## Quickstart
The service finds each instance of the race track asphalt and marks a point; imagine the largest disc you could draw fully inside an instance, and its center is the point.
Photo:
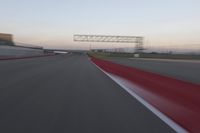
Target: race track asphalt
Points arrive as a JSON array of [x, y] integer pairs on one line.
[[68, 94]]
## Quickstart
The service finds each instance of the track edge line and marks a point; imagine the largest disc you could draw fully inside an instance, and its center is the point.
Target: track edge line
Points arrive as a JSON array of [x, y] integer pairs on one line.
[[154, 110]]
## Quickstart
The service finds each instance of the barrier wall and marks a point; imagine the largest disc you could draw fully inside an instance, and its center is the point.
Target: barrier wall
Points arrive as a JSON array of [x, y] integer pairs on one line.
[[12, 51], [179, 100]]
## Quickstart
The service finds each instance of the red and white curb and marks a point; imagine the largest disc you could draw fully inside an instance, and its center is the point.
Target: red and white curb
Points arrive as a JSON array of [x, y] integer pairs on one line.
[[126, 85]]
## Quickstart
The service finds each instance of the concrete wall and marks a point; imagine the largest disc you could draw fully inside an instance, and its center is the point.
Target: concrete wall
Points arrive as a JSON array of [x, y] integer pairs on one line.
[[12, 51]]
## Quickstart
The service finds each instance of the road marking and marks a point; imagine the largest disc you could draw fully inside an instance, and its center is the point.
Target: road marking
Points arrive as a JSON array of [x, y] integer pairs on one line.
[[159, 114]]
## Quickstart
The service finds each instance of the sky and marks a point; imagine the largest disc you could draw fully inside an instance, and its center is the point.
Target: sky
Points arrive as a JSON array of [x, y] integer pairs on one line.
[[170, 24]]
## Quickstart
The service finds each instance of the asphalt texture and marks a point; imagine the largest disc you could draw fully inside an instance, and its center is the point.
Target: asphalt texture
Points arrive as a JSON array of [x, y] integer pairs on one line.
[[68, 94], [185, 70]]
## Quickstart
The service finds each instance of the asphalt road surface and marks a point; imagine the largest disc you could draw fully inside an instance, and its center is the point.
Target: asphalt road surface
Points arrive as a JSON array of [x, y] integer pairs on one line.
[[180, 69], [68, 94]]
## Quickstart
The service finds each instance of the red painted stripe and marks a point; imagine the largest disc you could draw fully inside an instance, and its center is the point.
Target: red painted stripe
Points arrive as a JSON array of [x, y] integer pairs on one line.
[[177, 99], [25, 57]]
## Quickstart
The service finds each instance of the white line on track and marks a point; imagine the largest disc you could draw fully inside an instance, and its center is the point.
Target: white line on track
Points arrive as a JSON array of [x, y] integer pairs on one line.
[[159, 114]]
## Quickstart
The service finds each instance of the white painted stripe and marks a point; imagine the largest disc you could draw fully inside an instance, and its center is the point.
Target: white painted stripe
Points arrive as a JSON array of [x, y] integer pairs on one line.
[[162, 116]]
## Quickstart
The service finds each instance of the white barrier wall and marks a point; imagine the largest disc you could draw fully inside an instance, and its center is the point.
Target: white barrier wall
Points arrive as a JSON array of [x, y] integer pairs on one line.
[[18, 51]]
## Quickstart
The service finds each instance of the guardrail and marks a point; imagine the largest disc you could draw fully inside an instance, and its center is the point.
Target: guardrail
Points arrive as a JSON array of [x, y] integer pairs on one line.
[[19, 51], [25, 57], [179, 100]]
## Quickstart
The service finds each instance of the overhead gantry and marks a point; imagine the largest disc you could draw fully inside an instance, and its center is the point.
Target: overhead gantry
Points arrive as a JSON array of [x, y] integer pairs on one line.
[[138, 40]]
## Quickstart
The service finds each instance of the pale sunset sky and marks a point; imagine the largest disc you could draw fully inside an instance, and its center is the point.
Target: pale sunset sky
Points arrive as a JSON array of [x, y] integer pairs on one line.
[[52, 23]]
